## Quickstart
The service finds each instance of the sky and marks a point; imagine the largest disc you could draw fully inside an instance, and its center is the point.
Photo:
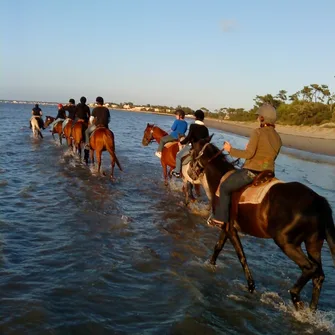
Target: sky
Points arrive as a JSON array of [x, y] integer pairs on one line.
[[194, 53]]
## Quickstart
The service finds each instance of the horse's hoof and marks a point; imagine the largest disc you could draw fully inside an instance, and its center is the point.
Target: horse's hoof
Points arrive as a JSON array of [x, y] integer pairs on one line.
[[299, 305], [251, 286], [104, 174]]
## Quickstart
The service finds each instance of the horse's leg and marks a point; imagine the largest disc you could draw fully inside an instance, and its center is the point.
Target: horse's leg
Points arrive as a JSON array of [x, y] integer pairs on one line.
[[197, 189], [92, 156], [164, 166], [189, 190], [60, 138], [308, 268], [314, 254], [236, 242], [218, 246], [99, 153], [113, 165]]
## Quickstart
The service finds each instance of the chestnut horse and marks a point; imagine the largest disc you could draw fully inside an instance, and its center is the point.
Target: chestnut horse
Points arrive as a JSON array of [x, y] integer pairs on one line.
[[168, 159], [153, 133], [102, 139], [78, 135], [67, 132], [290, 214], [56, 129]]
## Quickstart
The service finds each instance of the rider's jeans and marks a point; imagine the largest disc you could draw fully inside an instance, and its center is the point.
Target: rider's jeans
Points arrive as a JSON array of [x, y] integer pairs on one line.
[[234, 182], [181, 153], [88, 132]]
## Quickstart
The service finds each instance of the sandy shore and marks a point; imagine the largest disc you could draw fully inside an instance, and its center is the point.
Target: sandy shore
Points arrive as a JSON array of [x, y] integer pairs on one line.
[[314, 139]]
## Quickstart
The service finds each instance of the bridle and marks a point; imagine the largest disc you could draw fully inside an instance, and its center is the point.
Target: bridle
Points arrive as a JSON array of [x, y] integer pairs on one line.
[[151, 139], [197, 166]]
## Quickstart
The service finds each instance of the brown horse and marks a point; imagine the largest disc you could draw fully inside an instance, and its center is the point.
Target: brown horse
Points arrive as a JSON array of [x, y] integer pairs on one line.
[[57, 128], [102, 139], [290, 214], [78, 135], [168, 159], [153, 133], [67, 132]]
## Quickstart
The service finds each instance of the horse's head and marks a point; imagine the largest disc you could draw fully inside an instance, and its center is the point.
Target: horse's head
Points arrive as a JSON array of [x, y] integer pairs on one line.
[[205, 154], [48, 120], [148, 135]]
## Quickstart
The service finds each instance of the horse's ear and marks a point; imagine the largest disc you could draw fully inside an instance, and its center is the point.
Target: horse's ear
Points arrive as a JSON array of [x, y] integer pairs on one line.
[[208, 138]]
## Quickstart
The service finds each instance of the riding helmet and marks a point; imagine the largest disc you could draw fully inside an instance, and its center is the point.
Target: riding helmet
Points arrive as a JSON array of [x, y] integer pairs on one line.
[[99, 100], [71, 101], [83, 100], [268, 112]]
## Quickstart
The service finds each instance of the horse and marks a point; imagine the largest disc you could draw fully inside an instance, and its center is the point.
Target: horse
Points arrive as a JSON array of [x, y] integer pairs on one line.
[[290, 213], [102, 139], [154, 133], [78, 135], [35, 126], [67, 132], [57, 128]]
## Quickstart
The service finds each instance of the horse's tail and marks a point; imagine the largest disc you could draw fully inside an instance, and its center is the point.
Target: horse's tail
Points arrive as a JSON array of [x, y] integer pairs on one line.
[[109, 142], [327, 217]]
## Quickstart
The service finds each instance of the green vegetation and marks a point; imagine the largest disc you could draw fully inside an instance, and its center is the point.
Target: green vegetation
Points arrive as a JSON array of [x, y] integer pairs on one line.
[[313, 105]]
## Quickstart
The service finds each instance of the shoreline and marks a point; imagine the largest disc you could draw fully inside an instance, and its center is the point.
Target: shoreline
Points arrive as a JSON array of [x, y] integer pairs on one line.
[[314, 139]]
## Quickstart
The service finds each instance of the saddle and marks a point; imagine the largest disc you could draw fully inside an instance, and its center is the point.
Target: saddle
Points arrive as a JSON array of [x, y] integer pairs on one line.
[[256, 191]]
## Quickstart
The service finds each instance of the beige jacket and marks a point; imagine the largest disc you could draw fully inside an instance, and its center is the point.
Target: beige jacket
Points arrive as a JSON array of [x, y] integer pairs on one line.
[[261, 151]]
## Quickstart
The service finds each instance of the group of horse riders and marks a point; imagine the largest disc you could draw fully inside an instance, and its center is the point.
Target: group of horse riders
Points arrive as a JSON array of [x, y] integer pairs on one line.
[[260, 153], [278, 216], [100, 116]]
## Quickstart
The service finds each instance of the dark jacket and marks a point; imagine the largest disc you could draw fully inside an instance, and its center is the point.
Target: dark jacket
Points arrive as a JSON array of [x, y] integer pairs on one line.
[[83, 111], [196, 132]]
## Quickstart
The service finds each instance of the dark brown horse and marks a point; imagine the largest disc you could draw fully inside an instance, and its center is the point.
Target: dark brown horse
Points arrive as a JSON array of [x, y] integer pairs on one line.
[[290, 213], [101, 140], [57, 128], [78, 135]]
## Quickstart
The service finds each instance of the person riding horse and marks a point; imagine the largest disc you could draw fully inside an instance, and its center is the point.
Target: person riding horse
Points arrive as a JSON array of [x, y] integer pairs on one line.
[[82, 111], [197, 131], [101, 118], [37, 114], [178, 128], [260, 154], [61, 115], [71, 109]]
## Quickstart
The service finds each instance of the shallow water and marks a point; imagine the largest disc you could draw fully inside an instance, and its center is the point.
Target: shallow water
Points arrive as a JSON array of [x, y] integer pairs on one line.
[[80, 254]]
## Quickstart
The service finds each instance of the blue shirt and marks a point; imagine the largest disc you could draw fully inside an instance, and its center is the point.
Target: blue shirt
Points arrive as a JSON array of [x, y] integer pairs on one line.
[[179, 127]]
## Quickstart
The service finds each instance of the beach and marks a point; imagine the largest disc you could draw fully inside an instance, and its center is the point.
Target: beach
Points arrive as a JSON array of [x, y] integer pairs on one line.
[[316, 139]]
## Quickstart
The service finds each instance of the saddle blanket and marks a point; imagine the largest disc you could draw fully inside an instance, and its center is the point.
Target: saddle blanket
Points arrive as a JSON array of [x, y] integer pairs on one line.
[[255, 194], [251, 194]]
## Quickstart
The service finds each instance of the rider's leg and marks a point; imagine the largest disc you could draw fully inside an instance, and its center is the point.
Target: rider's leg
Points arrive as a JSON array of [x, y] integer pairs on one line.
[[233, 183], [181, 153], [164, 140]]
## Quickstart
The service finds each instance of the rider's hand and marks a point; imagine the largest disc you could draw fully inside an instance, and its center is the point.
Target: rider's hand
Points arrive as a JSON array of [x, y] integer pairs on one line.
[[227, 146]]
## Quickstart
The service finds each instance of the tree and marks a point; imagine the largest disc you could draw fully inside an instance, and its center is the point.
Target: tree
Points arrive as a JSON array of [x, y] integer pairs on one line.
[[282, 95]]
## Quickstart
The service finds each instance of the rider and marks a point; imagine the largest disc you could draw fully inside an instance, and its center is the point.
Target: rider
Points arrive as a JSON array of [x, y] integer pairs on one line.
[[178, 128], [260, 154], [71, 109], [82, 111], [101, 118], [197, 131], [37, 113], [61, 115]]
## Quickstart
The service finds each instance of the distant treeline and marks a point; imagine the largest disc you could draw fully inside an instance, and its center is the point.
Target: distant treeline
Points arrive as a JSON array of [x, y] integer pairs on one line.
[[313, 105]]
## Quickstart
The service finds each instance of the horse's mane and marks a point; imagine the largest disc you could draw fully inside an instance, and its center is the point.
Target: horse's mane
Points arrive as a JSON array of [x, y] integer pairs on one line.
[[221, 161]]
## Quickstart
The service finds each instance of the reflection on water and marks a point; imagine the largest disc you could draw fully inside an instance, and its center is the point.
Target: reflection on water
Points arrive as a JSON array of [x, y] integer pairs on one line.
[[81, 254]]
